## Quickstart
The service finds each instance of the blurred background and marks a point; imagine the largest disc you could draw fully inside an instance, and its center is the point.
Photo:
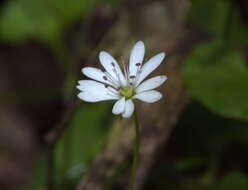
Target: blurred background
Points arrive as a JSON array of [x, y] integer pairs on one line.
[[195, 138]]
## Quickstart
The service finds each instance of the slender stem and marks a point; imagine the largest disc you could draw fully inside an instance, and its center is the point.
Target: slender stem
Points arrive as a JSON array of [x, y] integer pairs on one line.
[[136, 153]]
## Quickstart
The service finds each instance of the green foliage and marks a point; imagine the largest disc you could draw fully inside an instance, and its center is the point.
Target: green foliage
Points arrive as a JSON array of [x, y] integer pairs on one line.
[[212, 133], [82, 140], [210, 15], [189, 164], [218, 78], [75, 151], [221, 19], [69, 10], [238, 32], [200, 149], [40, 19], [232, 181]]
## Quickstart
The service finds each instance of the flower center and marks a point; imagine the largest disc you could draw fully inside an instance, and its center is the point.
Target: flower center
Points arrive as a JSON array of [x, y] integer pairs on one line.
[[128, 92]]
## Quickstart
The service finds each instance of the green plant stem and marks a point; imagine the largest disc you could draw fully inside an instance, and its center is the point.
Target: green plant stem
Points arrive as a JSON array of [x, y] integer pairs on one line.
[[136, 158]]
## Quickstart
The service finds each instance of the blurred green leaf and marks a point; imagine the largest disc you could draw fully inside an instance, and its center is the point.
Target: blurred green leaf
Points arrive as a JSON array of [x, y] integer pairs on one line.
[[202, 146], [83, 139], [25, 19], [218, 78], [210, 15], [232, 181], [238, 32], [40, 19], [213, 136], [221, 19], [69, 10], [189, 164]]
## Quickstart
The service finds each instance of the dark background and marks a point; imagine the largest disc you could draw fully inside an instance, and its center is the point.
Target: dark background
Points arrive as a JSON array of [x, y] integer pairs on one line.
[[43, 46]]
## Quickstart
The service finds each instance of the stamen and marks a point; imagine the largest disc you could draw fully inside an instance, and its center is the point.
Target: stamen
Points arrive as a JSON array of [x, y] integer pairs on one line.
[[138, 64], [132, 77], [112, 64], [105, 78], [125, 69]]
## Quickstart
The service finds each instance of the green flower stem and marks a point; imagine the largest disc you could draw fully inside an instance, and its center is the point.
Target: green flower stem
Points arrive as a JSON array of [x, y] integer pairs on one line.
[[136, 158]]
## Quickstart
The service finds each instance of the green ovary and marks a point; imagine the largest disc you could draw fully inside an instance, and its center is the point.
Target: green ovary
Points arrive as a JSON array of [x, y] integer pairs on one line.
[[128, 92]]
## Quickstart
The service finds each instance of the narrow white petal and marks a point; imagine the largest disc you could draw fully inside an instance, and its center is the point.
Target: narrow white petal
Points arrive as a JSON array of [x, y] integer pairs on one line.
[[151, 83], [137, 56], [150, 66], [91, 85], [149, 96], [112, 67], [96, 87], [96, 74], [119, 106], [129, 108], [95, 97], [93, 91]]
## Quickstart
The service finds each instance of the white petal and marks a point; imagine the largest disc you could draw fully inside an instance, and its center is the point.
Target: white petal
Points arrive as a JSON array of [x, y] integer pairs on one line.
[[94, 97], [95, 74], [150, 66], [119, 106], [94, 86], [149, 96], [91, 85], [129, 108], [112, 67], [137, 56], [151, 83], [93, 91]]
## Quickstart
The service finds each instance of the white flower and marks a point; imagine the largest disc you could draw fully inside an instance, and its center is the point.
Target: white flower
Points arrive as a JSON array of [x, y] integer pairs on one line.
[[123, 86]]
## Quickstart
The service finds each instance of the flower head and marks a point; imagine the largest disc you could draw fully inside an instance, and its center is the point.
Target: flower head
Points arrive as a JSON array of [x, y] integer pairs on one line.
[[123, 85]]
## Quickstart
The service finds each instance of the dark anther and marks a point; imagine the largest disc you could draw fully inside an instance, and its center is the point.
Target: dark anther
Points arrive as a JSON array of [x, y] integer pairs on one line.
[[105, 78], [112, 64], [137, 64], [106, 86], [132, 77]]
